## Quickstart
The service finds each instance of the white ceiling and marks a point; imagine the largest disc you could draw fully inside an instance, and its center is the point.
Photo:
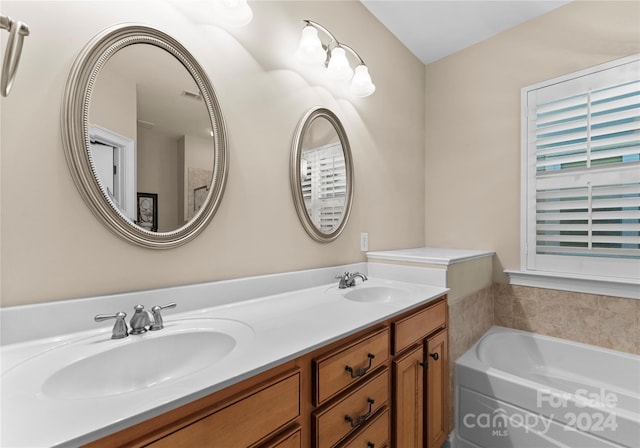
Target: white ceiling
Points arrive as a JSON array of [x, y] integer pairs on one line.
[[433, 29]]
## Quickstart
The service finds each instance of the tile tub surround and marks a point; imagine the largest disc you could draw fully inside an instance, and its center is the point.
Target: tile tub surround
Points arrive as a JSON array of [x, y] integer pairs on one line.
[[609, 322], [469, 318], [605, 321]]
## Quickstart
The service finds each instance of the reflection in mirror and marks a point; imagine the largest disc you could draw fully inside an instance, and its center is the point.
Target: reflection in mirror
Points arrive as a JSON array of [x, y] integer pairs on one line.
[[321, 174], [324, 178], [150, 132], [144, 136]]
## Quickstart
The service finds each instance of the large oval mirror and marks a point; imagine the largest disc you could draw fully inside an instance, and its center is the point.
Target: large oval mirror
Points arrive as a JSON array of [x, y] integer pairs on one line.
[[144, 136], [322, 174]]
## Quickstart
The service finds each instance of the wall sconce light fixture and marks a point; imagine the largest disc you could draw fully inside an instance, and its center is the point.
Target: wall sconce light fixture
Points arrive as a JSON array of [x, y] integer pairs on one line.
[[234, 13], [17, 32], [311, 50]]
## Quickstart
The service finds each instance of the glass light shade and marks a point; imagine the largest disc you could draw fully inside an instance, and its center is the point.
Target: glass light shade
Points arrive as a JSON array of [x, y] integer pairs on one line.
[[361, 84], [310, 50], [234, 13], [339, 67]]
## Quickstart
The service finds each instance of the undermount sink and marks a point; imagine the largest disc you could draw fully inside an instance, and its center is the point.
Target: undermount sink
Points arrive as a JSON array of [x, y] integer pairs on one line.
[[98, 366], [378, 294]]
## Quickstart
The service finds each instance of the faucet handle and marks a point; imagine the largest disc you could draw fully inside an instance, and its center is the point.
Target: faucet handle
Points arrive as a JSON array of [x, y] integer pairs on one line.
[[119, 328], [158, 324], [343, 280]]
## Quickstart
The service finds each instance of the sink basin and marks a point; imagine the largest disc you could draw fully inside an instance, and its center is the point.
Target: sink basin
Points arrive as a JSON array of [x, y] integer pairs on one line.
[[378, 294], [97, 366], [139, 364]]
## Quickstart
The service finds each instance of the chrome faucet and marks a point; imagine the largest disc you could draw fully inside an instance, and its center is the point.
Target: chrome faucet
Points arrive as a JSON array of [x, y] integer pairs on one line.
[[158, 324], [140, 320], [348, 280], [119, 328]]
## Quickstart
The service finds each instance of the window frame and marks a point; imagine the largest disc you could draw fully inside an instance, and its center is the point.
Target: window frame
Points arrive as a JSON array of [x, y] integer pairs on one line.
[[528, 275]]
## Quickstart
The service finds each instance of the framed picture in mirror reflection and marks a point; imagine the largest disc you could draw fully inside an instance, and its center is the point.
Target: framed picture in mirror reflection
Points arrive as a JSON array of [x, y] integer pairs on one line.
[[148, 211], [199, 197]]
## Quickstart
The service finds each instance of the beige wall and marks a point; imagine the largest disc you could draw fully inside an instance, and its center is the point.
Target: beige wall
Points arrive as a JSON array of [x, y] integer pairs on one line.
[[54, 248], [158, 173], [113, 104], [473, 119]]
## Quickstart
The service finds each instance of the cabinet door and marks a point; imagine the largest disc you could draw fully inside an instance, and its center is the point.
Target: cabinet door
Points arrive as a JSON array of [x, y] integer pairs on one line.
[[437, 389], [408, 399]]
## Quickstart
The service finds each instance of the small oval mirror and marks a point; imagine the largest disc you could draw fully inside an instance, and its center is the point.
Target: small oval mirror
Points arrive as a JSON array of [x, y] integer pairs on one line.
[[322, 174], [144, 136]]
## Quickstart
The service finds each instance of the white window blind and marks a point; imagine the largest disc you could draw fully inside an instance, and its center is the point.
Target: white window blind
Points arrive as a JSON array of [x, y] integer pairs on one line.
[[582, 173], [324, 185]]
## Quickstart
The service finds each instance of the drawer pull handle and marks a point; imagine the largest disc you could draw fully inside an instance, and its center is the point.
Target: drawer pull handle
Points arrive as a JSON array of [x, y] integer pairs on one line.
[[355, 422], [435, 356], [362, 370], [371, 445]]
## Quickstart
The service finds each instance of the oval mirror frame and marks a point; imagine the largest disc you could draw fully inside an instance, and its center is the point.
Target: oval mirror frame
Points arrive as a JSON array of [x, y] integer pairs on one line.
[[296, 178], [75, 133]]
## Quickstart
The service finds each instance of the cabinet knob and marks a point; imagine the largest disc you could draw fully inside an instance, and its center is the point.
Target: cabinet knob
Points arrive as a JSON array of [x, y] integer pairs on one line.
[[371, 445], [435, 356]]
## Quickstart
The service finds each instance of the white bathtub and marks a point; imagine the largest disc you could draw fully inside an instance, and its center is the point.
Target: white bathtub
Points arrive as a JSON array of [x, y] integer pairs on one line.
[[519, 389]]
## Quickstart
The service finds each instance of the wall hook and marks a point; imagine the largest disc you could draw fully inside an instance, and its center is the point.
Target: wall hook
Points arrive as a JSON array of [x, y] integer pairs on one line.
[[17, 32]]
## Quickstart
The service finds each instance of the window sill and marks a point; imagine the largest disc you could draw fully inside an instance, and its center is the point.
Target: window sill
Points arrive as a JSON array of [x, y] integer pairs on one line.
[[607, 286]]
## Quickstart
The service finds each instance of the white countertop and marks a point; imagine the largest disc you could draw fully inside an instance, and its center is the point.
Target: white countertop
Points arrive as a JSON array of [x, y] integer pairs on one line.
[[430, 255], [279, 328]]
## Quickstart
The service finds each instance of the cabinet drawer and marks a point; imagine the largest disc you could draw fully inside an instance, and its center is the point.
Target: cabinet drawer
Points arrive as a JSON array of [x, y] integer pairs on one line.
[[415, 327], [376, 433], [288, 439], [340, 368], [245, 421], [335, 421]]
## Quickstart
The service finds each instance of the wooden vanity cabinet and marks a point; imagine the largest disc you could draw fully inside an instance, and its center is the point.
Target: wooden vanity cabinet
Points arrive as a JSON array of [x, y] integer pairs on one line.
[[408, 398], [258, 412], [245, 421], [384, 386], [340, 368], [437, 359], [420, 375], [375, 434], [291, 438], [417, 362]]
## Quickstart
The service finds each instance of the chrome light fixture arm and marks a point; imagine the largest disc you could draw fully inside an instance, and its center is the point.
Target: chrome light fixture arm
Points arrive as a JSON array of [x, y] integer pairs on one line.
[[17, 32], [333, 43]]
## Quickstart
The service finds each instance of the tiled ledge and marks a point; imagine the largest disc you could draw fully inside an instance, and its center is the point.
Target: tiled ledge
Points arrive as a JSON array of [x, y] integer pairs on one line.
[[605, 321], [615, 287]]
